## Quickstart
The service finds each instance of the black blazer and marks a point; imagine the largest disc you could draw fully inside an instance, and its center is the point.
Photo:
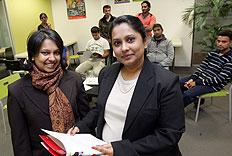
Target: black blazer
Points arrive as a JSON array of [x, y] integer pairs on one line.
[[155, 117], [28, 111]]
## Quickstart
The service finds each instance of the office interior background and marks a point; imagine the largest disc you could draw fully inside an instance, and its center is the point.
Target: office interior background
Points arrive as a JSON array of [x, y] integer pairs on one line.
[[211, 136], [23, 18]]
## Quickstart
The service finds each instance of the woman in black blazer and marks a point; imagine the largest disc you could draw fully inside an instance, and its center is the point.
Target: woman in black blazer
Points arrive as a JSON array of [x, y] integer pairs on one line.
[[139, 109], [49, 97]]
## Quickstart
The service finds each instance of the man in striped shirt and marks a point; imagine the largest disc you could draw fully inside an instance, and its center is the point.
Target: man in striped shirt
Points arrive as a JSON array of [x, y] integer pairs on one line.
[[214, 72]]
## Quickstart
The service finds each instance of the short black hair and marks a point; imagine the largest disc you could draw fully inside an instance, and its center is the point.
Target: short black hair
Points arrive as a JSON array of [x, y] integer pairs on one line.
[[157, 25], [227, 33], [148, 3], [106, 7], [42, 14], [35, 40], [95, 29]]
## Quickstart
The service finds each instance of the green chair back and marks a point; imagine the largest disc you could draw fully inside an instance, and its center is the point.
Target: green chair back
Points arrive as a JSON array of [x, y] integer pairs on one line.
[[5, 82], [222, 92]]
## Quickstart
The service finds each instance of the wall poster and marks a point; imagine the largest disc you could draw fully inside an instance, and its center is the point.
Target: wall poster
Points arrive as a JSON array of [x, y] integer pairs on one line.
[[76, 9], [121, 1]]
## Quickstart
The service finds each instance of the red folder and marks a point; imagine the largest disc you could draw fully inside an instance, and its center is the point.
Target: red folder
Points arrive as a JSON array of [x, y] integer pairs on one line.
[[52, 147]]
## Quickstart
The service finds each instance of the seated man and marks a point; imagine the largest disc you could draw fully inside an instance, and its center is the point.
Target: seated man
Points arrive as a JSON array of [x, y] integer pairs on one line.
[[214, 72], [160, 50], [99, 47]]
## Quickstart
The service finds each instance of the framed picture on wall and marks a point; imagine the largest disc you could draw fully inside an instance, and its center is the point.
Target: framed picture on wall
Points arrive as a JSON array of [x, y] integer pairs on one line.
[[121, 1], [76, 9]]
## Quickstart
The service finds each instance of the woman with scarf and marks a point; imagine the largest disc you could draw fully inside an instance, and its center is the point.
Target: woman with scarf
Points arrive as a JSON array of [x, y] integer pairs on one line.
[[49, 97]]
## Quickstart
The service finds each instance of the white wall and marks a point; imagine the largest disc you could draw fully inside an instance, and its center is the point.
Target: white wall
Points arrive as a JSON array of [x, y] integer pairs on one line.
[[167, 12], [78, 29]]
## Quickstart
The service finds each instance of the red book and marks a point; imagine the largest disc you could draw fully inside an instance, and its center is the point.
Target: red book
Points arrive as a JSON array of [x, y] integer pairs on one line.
[[51, 146], [60, 144]]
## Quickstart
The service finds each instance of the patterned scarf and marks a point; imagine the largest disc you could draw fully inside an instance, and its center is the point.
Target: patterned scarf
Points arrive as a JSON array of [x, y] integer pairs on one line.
[[60, 109]]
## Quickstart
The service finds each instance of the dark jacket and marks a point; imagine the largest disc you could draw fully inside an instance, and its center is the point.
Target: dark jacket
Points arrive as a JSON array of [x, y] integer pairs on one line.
[[104, 26], [28, 111], [155, 118]]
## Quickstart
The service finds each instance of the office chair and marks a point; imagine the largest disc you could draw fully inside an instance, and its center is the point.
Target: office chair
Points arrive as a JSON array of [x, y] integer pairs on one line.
[[4, 83], [9, 55], [220, 93]]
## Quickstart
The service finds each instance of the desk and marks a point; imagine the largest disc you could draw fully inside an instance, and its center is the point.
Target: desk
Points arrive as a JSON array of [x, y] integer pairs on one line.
[[93, 92], [22, 55], [177, 43], [71, 47], [2, 50]]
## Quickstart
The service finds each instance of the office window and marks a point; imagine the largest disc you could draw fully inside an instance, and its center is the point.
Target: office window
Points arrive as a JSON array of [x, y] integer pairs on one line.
[[4, 29]]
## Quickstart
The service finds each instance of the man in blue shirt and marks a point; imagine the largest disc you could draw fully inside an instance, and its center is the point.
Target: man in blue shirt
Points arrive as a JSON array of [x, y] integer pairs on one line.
[[214, 72]]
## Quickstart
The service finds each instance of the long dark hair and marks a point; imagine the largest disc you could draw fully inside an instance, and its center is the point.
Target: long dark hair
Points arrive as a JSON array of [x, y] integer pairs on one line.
[[35, 41]]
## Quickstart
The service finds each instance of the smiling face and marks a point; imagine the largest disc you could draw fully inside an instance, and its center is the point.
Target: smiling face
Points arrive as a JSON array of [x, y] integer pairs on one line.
[[128, 45], [48, 57], [145, 8], [44, 19]]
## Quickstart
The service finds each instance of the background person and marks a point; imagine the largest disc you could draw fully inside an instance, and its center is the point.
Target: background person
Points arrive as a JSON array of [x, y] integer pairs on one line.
[[99, 48], [160, 49], [104, 25], [147, 18], [139, 109], [214, 72], [105, 21], [44, 22], [49, 97]]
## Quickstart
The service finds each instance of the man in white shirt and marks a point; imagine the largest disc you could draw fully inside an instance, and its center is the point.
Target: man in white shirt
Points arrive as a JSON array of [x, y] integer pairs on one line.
[[99, 47]]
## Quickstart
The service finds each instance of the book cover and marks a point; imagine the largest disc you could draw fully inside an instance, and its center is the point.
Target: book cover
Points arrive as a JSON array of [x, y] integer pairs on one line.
[[65, 144]]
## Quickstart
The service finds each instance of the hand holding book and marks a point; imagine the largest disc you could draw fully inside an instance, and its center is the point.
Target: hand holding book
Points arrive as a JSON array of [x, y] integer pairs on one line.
[[60, 144], [106, 149], [74, 130]]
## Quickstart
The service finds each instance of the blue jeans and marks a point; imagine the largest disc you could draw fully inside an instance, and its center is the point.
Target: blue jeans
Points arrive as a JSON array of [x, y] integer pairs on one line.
[[189, 95]]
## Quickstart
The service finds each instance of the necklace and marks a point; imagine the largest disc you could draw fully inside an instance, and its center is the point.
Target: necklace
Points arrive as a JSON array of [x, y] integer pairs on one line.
[[125, 86]]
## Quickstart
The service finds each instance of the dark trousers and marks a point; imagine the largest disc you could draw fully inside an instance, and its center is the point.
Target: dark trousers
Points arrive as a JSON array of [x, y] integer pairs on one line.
[[189, 95], [111, 59]]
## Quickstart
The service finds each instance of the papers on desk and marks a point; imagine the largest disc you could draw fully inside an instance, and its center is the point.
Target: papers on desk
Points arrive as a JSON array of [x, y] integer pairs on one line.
[[91, 81], [66, 144], [87, 87]]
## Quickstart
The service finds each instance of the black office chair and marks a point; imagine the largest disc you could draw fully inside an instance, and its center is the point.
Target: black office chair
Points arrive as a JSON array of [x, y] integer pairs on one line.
[[9, 55], [13, 65]]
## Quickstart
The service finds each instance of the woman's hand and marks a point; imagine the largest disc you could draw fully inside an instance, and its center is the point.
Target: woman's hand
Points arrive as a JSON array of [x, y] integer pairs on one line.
[[49, 26], [73, 130], [106, 149]]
